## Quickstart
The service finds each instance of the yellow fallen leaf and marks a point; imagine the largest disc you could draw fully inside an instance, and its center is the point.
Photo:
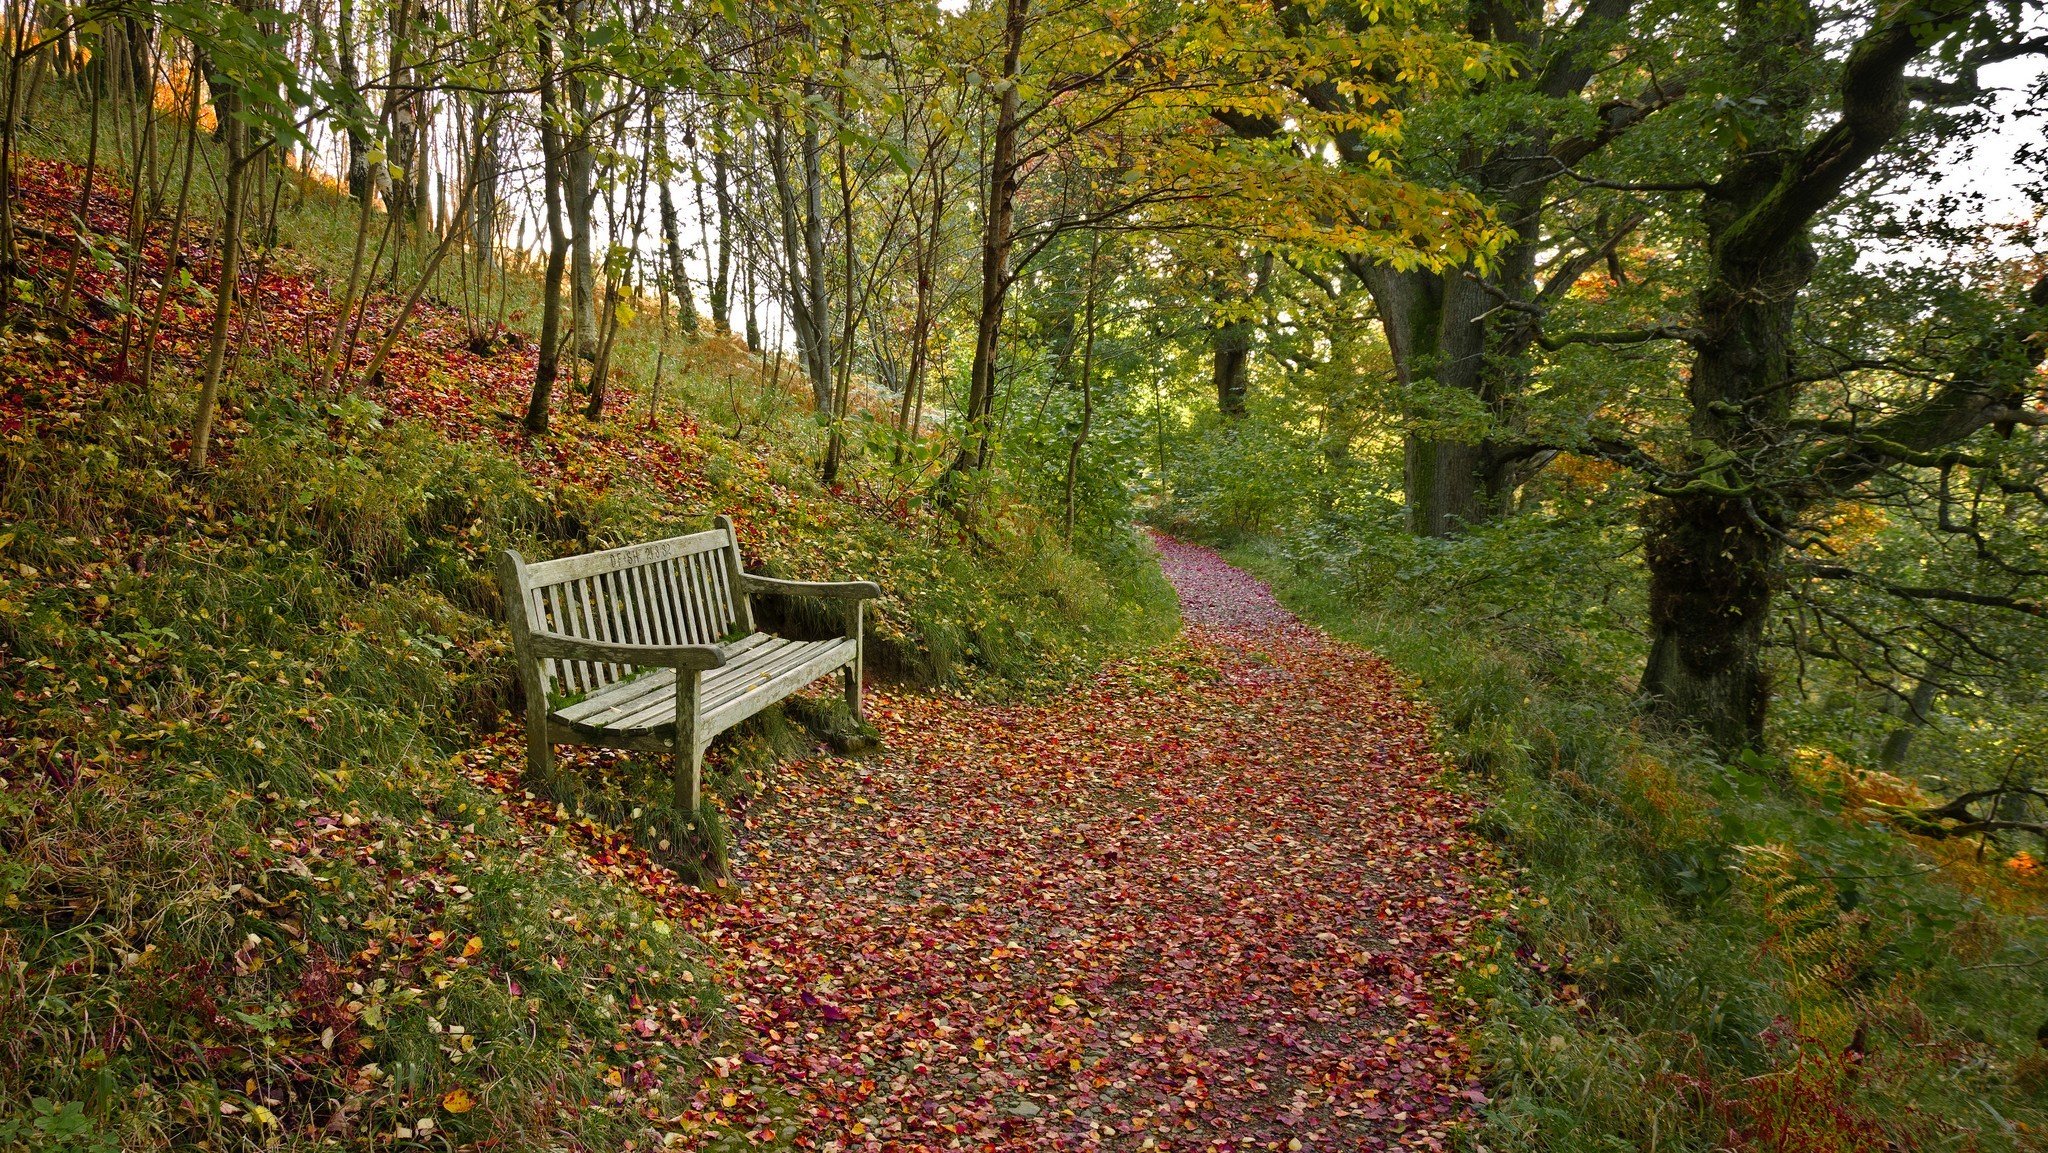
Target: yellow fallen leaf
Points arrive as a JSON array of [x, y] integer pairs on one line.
[[475, 946], [457, 1101], [730, 1100]]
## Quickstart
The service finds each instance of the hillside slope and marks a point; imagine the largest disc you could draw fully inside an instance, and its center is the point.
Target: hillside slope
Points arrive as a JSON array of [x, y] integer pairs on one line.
[[253, 888]]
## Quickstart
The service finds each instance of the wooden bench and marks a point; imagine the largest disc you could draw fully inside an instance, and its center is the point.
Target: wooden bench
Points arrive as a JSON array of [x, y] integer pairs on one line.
[[653, 648]]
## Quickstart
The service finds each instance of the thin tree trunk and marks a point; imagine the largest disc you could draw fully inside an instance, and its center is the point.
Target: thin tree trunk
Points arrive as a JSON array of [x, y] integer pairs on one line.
[[1087, 388], [227, 286], [412, 300], [911, 407], [677, 278], [359, 183], [803, 249], [835, 443], [14, 38], [548, 361], [173, 245], [138, 210], [331, 363], [998, 231], [614, 295], [94, 81], [579, 198], [721, 272]]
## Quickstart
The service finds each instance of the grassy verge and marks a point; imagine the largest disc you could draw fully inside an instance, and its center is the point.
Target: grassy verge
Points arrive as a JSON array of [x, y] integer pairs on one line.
[[1693, 955], [263, 882]]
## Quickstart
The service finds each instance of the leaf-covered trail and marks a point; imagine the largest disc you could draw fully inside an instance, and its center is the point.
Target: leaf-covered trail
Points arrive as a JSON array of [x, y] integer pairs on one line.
[[1208, 902]]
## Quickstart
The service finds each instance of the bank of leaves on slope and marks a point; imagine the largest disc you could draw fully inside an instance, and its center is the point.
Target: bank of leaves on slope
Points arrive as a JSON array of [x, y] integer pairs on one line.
[[243, 896], [1213, 899], [1026, 609]]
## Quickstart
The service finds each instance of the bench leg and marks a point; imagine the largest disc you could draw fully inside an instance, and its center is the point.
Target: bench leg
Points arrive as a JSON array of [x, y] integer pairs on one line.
[[689, 751], [853, 671], [540, 752], [689, 784]]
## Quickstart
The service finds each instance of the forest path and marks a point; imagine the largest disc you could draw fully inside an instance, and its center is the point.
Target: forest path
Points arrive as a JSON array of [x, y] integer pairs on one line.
[[1207, 901]]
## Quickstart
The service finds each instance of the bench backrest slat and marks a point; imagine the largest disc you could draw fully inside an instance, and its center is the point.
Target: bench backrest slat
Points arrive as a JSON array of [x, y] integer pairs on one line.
[[665, 592]]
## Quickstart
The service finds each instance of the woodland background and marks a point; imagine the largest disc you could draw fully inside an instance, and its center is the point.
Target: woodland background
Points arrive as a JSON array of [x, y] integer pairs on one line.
[[1614, 368]]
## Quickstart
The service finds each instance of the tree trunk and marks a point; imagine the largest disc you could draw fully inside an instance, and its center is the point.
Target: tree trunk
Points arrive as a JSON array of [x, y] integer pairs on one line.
[[997, 234], [548, 362], [1712, 573], [1715, 548], [232, 133], [400, 202], [1230, 346], [721, 272], [579, 199], [818, 349], [485, 204], [678, 270], [1919, 710], [803, 247], [359, 182], [924, 262], [1087, 389]]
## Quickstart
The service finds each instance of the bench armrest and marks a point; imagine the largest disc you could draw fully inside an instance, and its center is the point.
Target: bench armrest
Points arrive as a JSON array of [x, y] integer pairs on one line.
[[834, 590], [564, 648]]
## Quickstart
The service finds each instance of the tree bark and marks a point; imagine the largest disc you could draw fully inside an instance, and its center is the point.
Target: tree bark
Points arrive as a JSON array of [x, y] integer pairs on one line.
[[1919, 710], [548, 362], [678, 269], [1230, 346], [579, 200], [1715, 547], [997, 234], [721, 273], [401, 201], [803, 249], [359, 183], [233, 135], [924, 261], [1087, 390]]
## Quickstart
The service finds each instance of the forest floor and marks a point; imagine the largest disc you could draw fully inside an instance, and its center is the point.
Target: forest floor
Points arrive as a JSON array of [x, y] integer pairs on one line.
[[1213, 897], [1211, 900]]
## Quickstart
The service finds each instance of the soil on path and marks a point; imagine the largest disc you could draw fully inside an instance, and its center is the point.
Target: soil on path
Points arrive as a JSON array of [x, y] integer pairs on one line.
[[1209, 901]]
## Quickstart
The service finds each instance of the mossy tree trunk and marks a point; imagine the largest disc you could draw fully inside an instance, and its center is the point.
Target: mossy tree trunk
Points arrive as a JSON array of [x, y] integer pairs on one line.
[[1717, 543]]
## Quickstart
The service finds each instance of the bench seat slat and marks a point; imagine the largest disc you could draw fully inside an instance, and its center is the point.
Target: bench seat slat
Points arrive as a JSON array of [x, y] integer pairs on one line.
[[647, 704], [723, 685], [608, 702], [830, 655]]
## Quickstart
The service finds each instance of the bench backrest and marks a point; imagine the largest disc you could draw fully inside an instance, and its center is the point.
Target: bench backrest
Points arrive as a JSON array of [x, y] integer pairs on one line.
[[681, 591]]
